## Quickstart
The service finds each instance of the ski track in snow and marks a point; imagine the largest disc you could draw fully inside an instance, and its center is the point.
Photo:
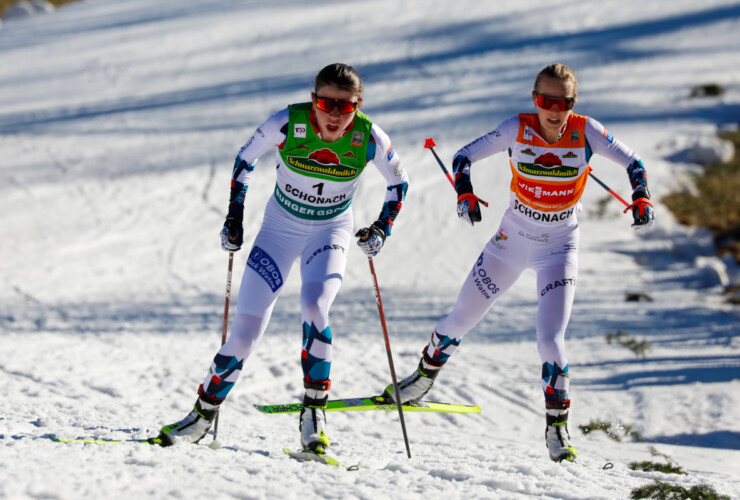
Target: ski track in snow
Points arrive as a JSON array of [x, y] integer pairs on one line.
[[115, 179]]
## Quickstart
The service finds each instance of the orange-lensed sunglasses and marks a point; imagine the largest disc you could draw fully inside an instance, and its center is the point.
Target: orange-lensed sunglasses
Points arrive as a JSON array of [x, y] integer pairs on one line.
[[327, 104], [547, 102]]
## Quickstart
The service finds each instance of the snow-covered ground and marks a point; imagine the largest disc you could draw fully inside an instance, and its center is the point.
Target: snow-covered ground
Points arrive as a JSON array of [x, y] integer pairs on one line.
[[119, 122]]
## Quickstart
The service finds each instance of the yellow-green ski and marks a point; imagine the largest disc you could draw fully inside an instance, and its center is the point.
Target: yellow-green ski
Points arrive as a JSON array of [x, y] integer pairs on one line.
[[308, 455], [103, 441], [381, 403]]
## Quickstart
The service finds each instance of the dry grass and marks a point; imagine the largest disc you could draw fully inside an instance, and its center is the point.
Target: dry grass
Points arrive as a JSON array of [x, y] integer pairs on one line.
[[4, 4], [716, 204]]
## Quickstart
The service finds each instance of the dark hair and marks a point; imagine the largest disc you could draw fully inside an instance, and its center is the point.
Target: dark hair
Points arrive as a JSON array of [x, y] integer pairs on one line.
[[341, 75], [559, 72]]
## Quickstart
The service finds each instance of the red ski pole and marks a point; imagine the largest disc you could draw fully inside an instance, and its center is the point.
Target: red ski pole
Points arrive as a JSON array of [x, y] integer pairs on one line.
[[609, 190], [429, 144], [225, 326], [364, 235], [390, 356]]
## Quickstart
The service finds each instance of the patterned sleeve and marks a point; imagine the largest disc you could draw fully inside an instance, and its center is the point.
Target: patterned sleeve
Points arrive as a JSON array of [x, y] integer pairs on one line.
[[268, 135], [495, 141], [603, 143], [385, 158]]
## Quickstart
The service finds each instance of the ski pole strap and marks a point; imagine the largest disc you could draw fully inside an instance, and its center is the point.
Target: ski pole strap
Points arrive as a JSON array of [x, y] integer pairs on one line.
[[640, 204], [472, 199]]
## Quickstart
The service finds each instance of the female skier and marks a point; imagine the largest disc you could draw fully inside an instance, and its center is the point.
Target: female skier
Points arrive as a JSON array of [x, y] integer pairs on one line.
[[322, 148], [549, 152]]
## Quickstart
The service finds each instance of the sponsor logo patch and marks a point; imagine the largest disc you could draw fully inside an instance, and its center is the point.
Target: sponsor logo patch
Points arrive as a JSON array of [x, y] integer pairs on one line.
[[299, 130], [552, 194], [558, 284], [323, 163], [357, 138], [609, 138], [325, 248], [529, 152], [542, 216], [263, 265], [539, 238], [308, 211], [541, 171], [483, 282], [567, 248], [249, 143]]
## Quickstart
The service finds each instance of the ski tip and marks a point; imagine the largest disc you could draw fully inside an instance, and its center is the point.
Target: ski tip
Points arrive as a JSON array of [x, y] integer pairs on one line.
[[309, 455], [84, 440], [151, 441], [280, 408], [429, 143]]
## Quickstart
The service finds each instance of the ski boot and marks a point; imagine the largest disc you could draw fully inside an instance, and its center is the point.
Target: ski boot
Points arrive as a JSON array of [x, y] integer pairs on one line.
[[415, 386], [192, 428], [313, 419], [557, 437]]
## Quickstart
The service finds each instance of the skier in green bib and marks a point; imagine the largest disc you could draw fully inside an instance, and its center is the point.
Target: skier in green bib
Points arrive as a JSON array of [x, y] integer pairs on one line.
[[323, 147]]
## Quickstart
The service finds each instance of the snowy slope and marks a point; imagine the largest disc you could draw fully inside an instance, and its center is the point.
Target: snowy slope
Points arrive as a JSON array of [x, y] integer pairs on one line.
[[119, 122]]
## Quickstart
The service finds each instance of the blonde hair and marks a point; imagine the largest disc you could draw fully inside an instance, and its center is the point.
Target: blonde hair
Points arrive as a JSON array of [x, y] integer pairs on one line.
[[559, 72]]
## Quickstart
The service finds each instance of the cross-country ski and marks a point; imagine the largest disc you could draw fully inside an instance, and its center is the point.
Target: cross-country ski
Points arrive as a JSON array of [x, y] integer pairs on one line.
[[377, 403]]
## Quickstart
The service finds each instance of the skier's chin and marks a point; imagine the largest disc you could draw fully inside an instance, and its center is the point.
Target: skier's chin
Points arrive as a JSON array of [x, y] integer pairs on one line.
[[331, 133]]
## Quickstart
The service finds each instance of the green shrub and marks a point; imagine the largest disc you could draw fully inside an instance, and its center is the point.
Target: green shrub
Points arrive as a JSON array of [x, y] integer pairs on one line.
[[639, 347], [716, 204], [664, 491], [708, 90], [601, 210], [648, 466], [615, 432], [4, 4]]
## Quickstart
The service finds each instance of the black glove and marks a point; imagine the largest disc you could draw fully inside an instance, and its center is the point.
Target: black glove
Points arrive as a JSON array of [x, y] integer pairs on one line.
[[232, 234]]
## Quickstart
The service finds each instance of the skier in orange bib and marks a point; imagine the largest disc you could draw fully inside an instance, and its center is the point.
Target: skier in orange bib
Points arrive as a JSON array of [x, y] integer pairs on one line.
[[549, 153]]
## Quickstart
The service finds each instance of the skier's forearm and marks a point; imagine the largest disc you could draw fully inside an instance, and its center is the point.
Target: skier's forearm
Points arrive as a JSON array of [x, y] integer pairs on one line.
[[638, 179], [239, 184], [391, 207]]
